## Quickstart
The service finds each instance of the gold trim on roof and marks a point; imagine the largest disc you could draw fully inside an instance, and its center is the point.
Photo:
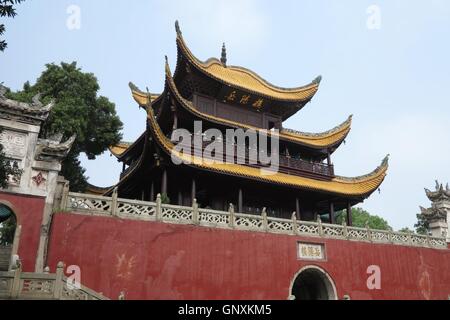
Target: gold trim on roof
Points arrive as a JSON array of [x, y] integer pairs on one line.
[[118, 149], [247, 80], [315, 140], [352, 187]]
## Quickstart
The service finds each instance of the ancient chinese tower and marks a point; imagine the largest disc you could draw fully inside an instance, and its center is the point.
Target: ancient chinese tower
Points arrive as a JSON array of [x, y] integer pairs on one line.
[[224, 97]]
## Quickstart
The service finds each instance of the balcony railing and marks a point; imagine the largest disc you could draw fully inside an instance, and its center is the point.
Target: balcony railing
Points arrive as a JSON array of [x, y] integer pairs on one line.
[[156, 211], [43, 286], [287, 164]]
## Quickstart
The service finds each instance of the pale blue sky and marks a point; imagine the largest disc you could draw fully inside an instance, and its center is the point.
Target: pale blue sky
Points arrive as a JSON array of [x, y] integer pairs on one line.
[[395, 80]]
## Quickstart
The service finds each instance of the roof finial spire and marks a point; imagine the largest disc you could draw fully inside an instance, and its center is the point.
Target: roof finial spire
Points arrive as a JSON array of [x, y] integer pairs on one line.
[[223, 59]]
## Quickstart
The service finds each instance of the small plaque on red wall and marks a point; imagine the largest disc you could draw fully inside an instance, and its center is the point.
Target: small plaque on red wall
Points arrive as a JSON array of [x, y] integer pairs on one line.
[[311, 251]]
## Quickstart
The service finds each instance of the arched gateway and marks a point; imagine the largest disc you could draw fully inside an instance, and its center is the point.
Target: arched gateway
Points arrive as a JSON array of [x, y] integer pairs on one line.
[[8, 223], [313, 283]]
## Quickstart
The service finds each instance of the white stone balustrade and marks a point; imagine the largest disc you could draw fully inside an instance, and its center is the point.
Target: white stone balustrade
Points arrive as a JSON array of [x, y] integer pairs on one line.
[[156, 211], [42, 286]]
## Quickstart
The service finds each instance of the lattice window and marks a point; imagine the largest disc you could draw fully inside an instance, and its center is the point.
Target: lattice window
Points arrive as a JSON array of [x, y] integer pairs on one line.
[[176, 214], [247, 222]]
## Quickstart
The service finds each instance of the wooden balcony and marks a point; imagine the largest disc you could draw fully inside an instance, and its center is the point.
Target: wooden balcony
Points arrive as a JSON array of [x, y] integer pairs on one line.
[[287, 164]]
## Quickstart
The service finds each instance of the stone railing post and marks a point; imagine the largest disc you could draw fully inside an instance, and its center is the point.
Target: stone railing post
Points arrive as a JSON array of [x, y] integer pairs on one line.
[[265, 222], [195, 213], [319, 223], [390, 236], [15, 290], [410, 234], [58, 289], [65, 197], [114, 205], [158, 211], [345, 229], [232, 217], [294, 223], [369, 232]]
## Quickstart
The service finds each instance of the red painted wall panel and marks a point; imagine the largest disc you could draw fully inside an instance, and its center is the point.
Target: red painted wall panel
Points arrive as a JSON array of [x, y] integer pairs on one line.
[[150, 260], [29, 211]]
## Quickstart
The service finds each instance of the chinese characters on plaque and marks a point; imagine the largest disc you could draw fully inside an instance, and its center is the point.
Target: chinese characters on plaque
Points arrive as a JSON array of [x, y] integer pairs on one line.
[[244, 99], [14, 143], [311, 251]]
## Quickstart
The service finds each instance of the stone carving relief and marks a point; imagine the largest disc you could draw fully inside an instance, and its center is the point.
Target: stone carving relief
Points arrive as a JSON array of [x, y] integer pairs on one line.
[[14, 143]]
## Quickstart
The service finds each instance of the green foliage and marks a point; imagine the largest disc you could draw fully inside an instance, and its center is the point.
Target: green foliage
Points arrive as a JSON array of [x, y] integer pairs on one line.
[[7, 230], [421, 225], [165, 198], [360, 217], [6, 169], [78, 110], [7, 9], [406, 230]]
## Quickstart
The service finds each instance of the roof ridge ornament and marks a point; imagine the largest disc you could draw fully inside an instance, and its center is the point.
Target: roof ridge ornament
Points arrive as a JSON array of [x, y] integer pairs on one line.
[[223, 58], [317, 80], [177, 28]]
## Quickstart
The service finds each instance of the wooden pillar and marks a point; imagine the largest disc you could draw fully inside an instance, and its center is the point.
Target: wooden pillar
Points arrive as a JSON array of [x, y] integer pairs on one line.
[[349, 214], [297, 208], [331, 212], [175, 118], [123, 167], [152, 191], [164, 182], [328, 158], [240, 201], [180, 198], [193, 190]]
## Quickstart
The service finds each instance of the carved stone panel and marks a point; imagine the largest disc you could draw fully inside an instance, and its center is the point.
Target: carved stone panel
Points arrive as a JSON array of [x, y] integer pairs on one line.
[[14, 143], [39, 179]]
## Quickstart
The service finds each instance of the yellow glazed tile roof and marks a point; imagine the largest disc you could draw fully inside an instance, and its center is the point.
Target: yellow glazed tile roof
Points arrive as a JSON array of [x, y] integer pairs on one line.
[[359, 186], [317, 140], [247, 80], [119, 148]]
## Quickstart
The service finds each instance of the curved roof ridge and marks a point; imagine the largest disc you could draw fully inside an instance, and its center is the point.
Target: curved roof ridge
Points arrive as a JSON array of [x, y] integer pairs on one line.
[[350, 187], [233, 75], [339, 128], [311, 140], [380, 170]]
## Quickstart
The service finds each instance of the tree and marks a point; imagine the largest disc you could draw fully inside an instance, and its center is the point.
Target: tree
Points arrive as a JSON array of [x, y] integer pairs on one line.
[[6, 170], [361, 216], [421, 225], [7, 10], [406, 230], [78, 110], [7, 230]]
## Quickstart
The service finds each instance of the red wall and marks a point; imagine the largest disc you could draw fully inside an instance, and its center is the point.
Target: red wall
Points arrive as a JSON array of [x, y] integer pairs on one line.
[[29, 211], [150, 260]]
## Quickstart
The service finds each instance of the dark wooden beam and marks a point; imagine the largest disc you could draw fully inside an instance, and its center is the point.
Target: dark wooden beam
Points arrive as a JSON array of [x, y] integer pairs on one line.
[[164, 182], [193, 191], [328, 158], [331, 212], [240, 200], [180, 198], [297, 208], [152, 191], [349, 214]]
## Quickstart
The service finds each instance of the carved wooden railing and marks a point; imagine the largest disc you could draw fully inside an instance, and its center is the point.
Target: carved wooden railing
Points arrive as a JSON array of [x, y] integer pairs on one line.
[[156, 211], [287, 164], [43, 286]]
